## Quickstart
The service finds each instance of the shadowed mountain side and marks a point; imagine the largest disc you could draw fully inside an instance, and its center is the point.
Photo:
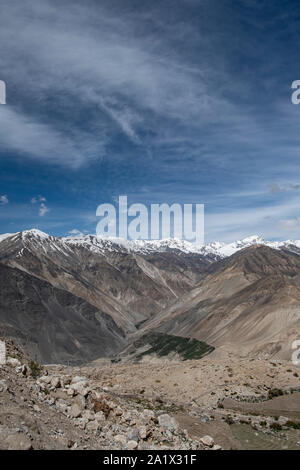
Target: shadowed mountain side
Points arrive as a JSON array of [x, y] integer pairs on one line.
[[128, 287], [54, 325]]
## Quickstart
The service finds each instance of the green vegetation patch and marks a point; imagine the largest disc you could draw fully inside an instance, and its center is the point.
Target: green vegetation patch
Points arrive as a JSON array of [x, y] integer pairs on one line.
[[163, 344]]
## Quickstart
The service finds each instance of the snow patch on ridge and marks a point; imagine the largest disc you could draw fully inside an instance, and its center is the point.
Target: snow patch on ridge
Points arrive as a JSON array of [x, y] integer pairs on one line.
[[101, 245]]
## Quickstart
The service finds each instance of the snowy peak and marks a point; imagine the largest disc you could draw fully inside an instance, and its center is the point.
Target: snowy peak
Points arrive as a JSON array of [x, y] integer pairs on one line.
[[137, 246], [34, 232], [214, 250], [231, 248]]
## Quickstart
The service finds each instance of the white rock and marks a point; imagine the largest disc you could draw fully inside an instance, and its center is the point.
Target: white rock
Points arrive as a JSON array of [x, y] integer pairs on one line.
[[75, 411], [3, 385], [77, 379], [45, 379], [167, 422], [207, 441], [131, 445], [92, 426], [148, 414], [55, 382], [142, 432], [80, 388], [12, 361]]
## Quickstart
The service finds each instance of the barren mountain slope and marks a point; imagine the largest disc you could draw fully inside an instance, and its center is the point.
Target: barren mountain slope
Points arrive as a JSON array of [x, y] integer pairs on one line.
[[54, 325], [128, 286], [249, 303]]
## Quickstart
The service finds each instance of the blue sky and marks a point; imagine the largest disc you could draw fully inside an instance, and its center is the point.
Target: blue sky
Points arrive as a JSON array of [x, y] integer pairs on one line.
[[164, 101]]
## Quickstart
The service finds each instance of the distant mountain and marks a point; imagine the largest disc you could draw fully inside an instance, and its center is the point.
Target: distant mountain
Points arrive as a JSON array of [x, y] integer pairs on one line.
[[248, 303], [126, 285], [243, 296], [98, 245]]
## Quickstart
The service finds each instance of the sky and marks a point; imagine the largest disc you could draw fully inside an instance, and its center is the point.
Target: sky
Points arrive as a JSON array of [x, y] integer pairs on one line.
[[169, 101]]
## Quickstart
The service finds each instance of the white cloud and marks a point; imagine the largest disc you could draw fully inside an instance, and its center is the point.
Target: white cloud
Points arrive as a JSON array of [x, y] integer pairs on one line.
[[40, 141], [4, 199], [130, 78], [269, 221], [36, 199], [292, 223], [43, 209], [75, 232]]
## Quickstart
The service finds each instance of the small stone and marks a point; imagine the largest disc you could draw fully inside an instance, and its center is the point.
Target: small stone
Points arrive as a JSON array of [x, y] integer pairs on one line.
[[142, 432], [77, 379], [45, 379], [3, 385], [132, 445], [133, 435], [92, 426], [55, 382], [167, 422], [207, 441], [75, 411], [80, 388], [148, 414], [118, 411]]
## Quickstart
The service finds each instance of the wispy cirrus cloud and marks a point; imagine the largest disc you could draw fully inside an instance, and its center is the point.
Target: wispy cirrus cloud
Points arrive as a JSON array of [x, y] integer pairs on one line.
[[132, 80], [34, 139], [175, 97]]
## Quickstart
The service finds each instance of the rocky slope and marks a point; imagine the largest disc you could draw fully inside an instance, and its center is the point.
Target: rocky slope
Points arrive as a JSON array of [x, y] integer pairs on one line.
[[248, 303], [216, 403], [129, 287], [54, 325], [55, 408]]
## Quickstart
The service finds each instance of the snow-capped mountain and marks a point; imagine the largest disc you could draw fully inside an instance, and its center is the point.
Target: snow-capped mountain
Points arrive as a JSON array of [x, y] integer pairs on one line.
[[101, 245], [52, 288], [217, 249]]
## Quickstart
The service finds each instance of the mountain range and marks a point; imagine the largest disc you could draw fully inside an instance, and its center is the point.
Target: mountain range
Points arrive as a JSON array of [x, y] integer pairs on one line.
[[75, 299]]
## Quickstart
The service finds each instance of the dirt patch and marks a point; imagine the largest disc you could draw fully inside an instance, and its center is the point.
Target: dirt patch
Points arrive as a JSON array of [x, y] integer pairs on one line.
[[217, 428], [286, 405]]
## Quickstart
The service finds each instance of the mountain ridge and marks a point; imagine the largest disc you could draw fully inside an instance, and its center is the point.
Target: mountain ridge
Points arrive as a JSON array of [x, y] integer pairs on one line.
[[217, 248], [223, 300]]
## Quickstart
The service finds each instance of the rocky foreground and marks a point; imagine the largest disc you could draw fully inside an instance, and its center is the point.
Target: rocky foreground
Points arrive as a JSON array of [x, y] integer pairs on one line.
[[113, 406], [40, 409]]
